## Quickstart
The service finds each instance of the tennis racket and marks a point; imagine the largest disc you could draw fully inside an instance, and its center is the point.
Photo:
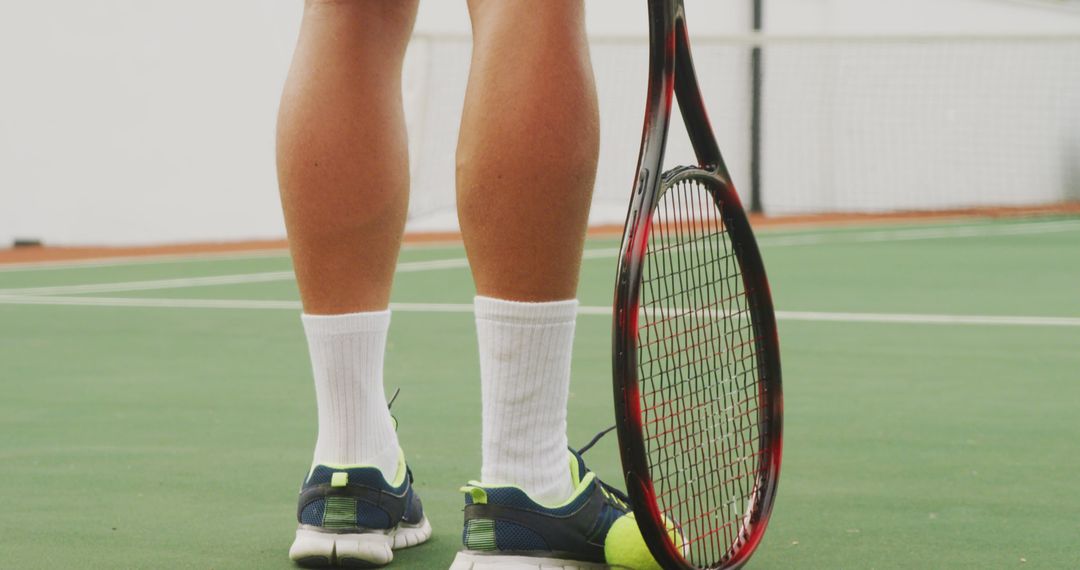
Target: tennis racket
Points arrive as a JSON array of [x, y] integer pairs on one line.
[[696, 356]]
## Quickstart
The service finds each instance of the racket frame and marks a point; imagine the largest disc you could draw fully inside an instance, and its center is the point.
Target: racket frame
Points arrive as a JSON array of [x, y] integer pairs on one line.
[[671, 76]]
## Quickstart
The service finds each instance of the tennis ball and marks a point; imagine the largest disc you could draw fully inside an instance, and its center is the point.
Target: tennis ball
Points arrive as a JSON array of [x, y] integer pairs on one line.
[[625, 548]]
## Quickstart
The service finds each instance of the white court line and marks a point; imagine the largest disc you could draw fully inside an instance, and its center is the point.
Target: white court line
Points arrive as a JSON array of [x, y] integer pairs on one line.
[[808, 316], [987, 320], [896, 235], [143, 260], [266, 277], [921, 234], [149, 303], [153, 284], [179, 283], [763, 238], [599, 253]]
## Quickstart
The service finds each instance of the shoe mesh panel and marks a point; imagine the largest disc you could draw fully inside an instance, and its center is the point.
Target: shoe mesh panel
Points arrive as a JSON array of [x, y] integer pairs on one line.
[[414, 510], [514, 497], [370, 516], [510, 536], [313, 513], [320, 475]]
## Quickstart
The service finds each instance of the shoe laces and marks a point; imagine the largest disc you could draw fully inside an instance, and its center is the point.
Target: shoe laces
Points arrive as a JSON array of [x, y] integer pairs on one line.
[[596, 438], [620, 496], [390, 406]]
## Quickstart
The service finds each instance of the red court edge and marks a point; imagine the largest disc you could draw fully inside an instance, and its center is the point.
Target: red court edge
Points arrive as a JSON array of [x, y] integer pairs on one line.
[[46, 253]]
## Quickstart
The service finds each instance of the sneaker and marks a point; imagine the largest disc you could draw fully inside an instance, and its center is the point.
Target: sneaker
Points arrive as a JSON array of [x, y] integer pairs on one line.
[[351, 517], [505, 528]]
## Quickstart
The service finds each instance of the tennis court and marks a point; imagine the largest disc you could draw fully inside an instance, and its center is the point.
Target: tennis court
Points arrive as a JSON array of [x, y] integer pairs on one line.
[[158, 412]]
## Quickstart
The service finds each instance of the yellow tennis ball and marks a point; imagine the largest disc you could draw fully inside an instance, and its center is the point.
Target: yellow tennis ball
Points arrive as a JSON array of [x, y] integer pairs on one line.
[[625, 548]]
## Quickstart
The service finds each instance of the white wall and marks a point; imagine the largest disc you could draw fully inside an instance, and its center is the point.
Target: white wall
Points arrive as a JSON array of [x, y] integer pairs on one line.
[[140, 121], [922, 16], [149, 121], [882, 126], [128, 121]]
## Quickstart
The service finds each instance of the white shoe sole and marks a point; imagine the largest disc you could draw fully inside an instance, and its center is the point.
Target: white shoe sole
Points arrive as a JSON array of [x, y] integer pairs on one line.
[[314, 548], [471, 561]]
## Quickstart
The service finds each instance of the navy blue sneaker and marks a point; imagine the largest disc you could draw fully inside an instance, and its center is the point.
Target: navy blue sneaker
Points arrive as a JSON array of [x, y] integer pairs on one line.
[[351, 517], [505, 528]]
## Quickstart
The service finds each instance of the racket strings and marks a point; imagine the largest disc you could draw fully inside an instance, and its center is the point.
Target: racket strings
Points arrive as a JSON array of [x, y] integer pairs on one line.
[[697, 368]]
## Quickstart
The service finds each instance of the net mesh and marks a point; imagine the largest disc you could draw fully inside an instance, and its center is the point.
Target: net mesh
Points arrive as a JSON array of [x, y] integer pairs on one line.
[[698, 374], [849, 124]]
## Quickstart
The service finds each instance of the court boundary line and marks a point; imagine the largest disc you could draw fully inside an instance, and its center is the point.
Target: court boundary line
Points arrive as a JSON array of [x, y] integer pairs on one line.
[[149, 259], [804, 316], [243, 278], [919, 234], [212, 280], [809, 236], [165, 258], [830, 238]]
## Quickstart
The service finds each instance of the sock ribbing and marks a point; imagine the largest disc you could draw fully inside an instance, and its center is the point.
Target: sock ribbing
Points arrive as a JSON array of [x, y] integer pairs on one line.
[[525, 353], [347, 353]]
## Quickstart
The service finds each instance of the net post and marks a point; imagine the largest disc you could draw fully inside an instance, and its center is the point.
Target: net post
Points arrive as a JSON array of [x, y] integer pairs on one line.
[[756, 72]]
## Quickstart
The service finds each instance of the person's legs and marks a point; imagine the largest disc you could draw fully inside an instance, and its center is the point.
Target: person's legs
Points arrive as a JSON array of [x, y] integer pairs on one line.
[[528, 148], [343, 171], [342, 152], [526, 165]]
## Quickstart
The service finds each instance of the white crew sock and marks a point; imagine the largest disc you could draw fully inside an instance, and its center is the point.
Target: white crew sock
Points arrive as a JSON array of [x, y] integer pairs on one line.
[[525, 382], [355, 427]]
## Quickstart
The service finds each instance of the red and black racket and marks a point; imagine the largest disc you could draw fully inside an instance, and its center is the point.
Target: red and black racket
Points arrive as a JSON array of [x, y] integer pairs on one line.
[[696, 356]]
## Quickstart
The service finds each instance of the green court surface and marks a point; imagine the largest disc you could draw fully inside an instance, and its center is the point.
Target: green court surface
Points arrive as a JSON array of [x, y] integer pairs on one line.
[[160, 414]]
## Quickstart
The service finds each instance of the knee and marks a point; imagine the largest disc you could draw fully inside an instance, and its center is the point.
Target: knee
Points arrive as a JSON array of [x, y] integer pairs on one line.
[[378, 17], [400, 7], [521, 17]]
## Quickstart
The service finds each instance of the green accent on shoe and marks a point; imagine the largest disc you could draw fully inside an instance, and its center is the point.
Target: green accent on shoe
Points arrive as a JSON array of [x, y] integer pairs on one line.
[[615, 499], [340, 513], [479, 496], [480, 534], [339, 479], [575, 474], [402, 469]]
